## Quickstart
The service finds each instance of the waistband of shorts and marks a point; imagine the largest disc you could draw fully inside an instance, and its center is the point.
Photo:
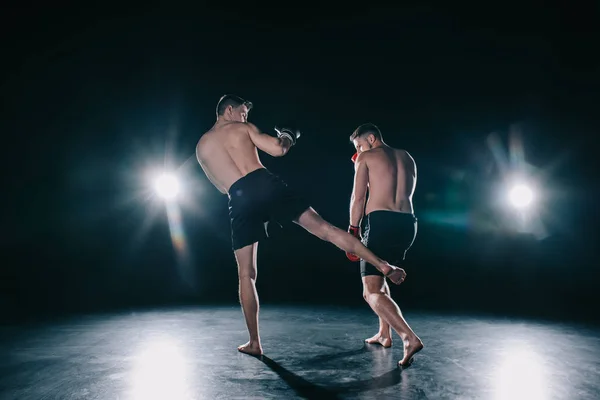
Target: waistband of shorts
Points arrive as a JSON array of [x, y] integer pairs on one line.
[[393, 214], [244, 179]]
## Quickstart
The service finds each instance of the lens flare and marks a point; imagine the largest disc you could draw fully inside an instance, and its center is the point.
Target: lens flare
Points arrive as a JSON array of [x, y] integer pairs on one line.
[[167, 186], [521, 196]]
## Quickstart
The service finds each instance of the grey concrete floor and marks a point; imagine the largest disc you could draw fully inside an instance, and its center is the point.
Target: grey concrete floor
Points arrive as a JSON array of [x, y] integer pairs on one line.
[[310, 352]]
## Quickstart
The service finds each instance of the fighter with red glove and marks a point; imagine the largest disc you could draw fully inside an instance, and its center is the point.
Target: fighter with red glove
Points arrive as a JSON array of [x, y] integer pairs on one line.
[[390, 226]]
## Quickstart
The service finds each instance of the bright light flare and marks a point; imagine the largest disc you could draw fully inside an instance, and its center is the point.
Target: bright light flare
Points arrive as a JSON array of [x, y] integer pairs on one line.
[[160, 371], [167, 186], [521, 196], [520, 373]]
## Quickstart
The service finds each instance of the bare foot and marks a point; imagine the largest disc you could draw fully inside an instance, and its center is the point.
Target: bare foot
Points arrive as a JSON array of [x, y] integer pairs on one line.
[[396, 275], [252, 348], [385, 341], [411, 347]]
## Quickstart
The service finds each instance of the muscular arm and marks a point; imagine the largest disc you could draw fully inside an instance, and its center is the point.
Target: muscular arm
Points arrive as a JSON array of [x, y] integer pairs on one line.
[[359, 191], [271, 145]]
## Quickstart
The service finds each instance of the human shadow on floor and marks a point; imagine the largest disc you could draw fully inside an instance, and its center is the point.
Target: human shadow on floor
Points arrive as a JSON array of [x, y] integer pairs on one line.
[[300, 385], [311, 390], [324, 358]]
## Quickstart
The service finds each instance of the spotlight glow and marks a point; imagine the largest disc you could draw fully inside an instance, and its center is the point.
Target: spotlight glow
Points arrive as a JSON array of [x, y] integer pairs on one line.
[[520, 373], [521, 196], [167, 186], [160, 371]]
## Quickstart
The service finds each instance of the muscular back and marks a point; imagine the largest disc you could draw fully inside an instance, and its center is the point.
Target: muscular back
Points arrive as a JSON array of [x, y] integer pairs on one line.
[[226, 153], [392, 179]]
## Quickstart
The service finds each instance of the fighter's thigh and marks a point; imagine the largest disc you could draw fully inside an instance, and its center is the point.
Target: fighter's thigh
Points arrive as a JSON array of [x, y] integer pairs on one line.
[[373, 284], [246, 229], [246, 261]]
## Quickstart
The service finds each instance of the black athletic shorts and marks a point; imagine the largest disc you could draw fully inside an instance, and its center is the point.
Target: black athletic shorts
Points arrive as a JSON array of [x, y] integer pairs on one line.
[[389, 235], [255, 200]]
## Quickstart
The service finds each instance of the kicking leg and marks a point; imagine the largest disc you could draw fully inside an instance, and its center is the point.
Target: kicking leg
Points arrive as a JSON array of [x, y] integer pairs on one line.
[[313, 223], [383, 305], [246, 259]]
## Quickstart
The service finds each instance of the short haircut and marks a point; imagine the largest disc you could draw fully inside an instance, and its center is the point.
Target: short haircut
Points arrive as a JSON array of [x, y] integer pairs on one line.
[[364, 130], [231, 100]]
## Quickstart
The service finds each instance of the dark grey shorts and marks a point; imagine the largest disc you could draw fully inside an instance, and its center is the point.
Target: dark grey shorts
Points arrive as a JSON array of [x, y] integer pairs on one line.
[[389, 235]]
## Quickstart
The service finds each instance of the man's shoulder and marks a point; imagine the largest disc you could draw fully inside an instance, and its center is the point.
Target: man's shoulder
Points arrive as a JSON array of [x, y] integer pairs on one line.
[[401, 152], [231, 128], [396, 149], [405, 154], [243, 128], [386, 154], [235, 125], [375, 153]]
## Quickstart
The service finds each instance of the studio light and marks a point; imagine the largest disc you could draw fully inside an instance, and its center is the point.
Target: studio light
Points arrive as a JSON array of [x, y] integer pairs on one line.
[[521, 196], [167, 186]]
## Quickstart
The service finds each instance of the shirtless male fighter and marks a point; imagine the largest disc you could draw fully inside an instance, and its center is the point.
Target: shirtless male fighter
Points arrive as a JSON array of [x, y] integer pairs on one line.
[[389, 176], [228, 156]]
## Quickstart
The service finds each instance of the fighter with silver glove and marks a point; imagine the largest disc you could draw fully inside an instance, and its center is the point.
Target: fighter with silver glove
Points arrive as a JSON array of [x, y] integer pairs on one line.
[[288, 133]]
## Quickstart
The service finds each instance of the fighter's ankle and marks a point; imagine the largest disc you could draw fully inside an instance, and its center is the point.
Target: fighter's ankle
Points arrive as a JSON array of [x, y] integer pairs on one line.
[[409, 338]]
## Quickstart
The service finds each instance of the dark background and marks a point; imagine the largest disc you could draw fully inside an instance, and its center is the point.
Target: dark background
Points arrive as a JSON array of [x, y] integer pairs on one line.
[[93, 99]]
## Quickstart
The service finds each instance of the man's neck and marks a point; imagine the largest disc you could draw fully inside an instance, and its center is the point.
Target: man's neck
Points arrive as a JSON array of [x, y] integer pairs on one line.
[[222, 121]]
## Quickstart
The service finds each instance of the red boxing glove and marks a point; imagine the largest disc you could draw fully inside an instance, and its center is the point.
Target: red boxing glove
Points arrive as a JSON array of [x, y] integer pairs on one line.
[[354, 157], [355, 231]]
